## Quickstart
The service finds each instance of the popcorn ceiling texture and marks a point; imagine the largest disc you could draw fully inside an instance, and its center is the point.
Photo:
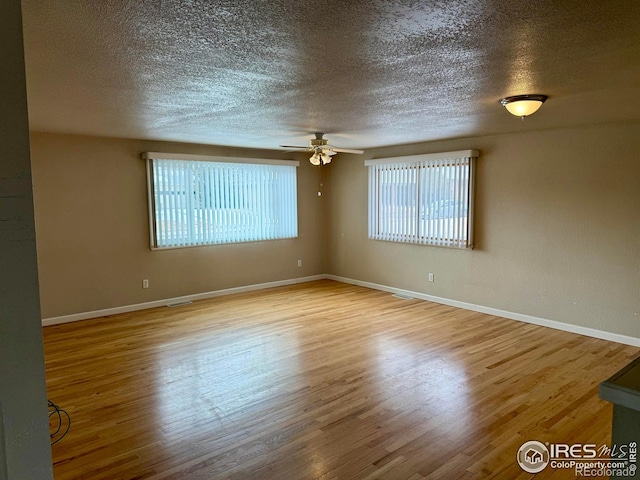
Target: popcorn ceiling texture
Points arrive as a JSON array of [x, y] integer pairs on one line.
[[369, 73]]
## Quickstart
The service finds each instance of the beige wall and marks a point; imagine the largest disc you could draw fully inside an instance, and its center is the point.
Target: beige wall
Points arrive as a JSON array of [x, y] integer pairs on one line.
[[93, 236], [557, 228]]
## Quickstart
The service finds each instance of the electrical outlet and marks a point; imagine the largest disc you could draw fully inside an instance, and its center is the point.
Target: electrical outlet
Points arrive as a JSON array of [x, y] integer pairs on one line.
[[431, 277], [145, 283], [299, 263]]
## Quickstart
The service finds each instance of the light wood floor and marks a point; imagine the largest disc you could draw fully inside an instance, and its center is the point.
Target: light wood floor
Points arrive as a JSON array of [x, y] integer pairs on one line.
[[320, 381]]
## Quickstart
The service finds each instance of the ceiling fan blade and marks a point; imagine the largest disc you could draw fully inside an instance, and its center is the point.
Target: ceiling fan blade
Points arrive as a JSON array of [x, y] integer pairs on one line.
[[294, 146], [347, 150]]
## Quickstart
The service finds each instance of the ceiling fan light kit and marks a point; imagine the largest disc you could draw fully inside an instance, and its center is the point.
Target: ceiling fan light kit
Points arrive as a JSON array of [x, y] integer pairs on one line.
[[321, 150], [523, 105], [320, 158]]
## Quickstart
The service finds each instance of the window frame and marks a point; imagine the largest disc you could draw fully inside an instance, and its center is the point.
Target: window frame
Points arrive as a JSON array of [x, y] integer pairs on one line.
[[149, 157], [408, 169]]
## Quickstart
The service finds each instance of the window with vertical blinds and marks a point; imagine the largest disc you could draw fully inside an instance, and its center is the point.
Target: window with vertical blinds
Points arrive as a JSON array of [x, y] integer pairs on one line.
[[197, 200], [425, 199]]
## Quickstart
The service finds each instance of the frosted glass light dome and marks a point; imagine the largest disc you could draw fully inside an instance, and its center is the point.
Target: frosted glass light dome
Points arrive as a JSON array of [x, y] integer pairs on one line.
[[523, 105]]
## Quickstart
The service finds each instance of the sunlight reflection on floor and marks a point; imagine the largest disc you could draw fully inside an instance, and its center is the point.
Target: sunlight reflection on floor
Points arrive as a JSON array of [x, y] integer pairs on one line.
[[415, 377], [223, 384]]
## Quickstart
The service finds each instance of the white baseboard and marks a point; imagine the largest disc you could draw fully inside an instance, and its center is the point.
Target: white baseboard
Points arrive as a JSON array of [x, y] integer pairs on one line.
[[167, 301], [567, 327]]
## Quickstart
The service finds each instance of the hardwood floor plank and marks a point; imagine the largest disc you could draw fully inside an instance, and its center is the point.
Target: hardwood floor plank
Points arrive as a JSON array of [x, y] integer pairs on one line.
[[320, 381]]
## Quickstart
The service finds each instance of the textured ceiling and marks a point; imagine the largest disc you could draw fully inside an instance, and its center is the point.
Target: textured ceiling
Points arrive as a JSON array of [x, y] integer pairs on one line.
[[258, 73]]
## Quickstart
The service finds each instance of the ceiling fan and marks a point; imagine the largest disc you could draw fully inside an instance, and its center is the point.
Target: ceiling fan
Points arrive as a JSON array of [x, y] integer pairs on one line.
[[321, 149]]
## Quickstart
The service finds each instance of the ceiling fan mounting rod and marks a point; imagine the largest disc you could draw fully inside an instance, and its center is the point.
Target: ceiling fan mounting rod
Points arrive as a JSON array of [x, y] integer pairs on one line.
[[318, 141]]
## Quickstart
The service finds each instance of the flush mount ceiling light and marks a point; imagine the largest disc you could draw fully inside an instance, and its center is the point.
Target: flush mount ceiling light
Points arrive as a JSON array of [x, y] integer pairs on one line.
[[523, 105], [321, 150]]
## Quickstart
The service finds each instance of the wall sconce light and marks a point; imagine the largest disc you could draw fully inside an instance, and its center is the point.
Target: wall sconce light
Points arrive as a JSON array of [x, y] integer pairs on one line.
[[523, 105]]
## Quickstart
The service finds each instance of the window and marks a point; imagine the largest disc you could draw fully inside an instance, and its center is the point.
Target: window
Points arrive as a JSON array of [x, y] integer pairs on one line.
[[199, 200], [426, 199]]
